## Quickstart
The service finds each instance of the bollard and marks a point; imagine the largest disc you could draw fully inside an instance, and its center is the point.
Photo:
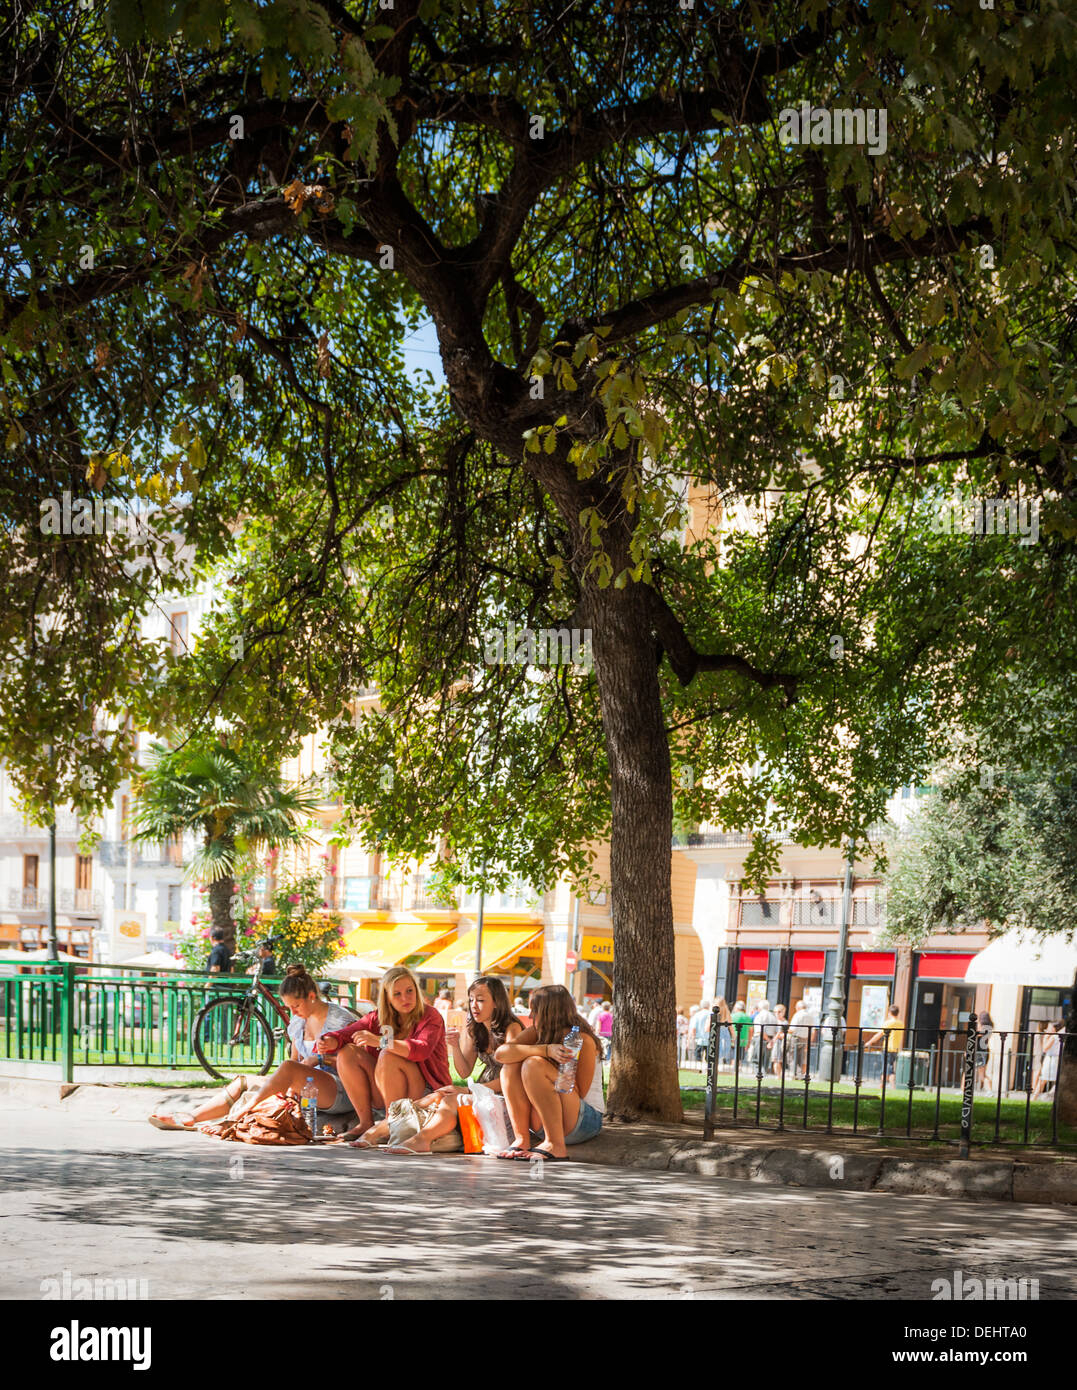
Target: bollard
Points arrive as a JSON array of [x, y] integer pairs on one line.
[[712, 1066], [970, 1082]]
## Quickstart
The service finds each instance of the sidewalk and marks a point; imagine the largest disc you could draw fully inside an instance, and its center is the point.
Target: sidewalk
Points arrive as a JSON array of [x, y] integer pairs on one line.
[[796, 1157]]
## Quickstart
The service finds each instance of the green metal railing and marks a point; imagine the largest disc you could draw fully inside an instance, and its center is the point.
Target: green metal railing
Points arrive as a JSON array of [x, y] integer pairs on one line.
[[106, 1015]]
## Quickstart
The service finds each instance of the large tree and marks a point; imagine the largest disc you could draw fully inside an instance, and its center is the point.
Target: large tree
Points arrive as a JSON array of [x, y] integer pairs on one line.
[[220, 221]]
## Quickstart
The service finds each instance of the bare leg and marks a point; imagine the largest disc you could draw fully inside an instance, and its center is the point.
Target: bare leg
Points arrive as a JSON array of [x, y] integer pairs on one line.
[[518, 1102], [397, 1078], [559, 1111], [215, 1108], [356, 1068], [290, 1074], [444, 1121]]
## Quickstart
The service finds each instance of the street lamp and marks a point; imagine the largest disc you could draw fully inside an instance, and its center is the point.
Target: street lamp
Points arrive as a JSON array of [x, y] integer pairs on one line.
[[831, 1047], [52, 948]]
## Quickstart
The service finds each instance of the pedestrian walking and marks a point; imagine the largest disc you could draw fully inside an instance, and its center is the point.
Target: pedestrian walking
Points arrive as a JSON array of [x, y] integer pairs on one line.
[[1052, 1046], [605, 1027], [742, 1024], [983, 1045], [766, 1025]]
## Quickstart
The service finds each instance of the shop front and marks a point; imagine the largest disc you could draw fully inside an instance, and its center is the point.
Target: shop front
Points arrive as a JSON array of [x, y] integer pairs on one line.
[[941, 1001]]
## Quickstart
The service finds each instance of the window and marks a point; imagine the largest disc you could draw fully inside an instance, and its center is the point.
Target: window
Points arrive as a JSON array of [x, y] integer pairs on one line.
[[178, 625], [83, 873], [174, 904], [29, 871], [357, 894]]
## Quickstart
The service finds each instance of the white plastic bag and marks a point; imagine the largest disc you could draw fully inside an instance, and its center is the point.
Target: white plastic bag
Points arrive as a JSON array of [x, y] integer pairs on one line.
[[493, 1116]]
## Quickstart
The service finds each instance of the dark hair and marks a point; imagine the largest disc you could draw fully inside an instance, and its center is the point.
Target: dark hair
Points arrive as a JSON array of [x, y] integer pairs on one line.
[[297, 981], [985, 1020], [503, 1014], [217, 934], [554, 1015]]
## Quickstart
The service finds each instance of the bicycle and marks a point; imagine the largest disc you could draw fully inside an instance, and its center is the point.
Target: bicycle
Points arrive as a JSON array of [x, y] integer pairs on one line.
[[230, 1033]]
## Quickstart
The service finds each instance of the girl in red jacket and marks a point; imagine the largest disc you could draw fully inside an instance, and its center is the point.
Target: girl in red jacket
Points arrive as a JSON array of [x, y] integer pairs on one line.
[[395, 1051]]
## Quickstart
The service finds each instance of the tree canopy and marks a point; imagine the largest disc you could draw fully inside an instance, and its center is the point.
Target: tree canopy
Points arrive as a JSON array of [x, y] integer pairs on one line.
[[221, 221]]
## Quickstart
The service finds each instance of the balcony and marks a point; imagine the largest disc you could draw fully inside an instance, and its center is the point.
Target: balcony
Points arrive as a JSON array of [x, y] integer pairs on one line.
[[28, 899], [87, 900], [16, 828], [113, 855], [83, 900]]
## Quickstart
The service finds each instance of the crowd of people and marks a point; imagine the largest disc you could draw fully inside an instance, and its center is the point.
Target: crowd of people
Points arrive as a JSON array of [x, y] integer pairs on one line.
[[769, 1040], [399, 1051]]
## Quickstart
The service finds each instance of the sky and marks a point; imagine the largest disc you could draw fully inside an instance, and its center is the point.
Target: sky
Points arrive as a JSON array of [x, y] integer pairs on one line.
[[421, 352]]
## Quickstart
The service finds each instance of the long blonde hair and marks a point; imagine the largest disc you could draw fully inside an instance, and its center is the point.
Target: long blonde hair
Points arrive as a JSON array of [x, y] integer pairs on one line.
[[387, 1014]]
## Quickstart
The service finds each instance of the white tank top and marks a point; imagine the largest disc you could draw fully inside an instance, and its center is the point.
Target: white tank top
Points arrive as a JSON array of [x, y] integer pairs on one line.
[[594, 1097]]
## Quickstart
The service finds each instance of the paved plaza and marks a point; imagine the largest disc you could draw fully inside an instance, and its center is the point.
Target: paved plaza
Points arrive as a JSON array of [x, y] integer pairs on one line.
[[195, 1218]]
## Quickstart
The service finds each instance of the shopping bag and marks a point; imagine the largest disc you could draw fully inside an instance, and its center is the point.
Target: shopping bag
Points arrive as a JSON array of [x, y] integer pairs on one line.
[[493, 1116]]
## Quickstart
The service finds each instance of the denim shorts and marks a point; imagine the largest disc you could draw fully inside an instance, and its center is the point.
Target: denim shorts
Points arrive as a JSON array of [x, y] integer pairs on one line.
[[341, 1104], [588, 1123]]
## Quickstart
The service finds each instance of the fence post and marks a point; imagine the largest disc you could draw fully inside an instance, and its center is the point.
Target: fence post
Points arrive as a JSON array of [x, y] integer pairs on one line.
[[712, 1066], [66, 983], [968, 1091]]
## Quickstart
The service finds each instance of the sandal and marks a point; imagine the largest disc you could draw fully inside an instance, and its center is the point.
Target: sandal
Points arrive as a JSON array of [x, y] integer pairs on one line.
[[514, 1155], [169, 1122]]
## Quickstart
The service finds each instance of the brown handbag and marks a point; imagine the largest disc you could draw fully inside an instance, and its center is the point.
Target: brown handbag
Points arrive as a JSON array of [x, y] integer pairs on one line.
[[275, 1120]]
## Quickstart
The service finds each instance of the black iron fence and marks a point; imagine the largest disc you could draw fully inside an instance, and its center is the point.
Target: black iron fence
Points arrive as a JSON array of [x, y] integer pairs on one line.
[[942, 1085]]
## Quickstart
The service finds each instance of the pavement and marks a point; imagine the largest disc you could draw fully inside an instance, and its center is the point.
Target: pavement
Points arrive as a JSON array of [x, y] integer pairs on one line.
[[89, 1191], [855, 1163]]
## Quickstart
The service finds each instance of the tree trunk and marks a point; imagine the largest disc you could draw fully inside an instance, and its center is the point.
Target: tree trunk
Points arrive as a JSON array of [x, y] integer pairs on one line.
[[643, 1075], [221, 893]]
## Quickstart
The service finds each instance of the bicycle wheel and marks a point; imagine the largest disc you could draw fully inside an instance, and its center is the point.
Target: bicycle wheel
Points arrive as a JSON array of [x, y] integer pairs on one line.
[[230, 1035]]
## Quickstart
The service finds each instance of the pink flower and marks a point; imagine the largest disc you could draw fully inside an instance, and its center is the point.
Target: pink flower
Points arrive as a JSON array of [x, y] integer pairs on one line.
[[204, 935], [293, 897], [324, 903], [332, 868], [194, 921]]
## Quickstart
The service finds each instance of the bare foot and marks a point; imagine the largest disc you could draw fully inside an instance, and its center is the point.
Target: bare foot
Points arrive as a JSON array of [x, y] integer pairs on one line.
[[348, 1136]]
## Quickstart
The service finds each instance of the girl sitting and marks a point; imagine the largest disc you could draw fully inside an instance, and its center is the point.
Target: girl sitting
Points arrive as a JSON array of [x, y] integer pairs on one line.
[[396, 1051], [529, 1069], [490, 1023], [312, 1016]]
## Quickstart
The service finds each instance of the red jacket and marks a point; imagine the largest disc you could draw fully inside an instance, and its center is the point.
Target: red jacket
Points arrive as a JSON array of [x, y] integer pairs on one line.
[[426, 1044]]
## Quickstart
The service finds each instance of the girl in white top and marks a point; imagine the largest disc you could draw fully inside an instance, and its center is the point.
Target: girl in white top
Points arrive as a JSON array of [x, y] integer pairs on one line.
[[529, 1069]]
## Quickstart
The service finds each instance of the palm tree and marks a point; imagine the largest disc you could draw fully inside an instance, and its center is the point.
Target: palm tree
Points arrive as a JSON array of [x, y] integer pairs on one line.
[[237, 808]]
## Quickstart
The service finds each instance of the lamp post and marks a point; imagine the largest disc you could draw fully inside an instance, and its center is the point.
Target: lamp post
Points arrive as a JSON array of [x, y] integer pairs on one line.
[[478, 927], [52, 947], [831, 1048]]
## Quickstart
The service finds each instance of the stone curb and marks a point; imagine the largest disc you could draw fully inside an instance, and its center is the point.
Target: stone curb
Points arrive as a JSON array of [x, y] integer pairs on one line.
[[976, 1180], [626, 1147]]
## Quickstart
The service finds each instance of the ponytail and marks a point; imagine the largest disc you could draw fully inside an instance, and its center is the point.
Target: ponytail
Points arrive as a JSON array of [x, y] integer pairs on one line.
[[297, 981]]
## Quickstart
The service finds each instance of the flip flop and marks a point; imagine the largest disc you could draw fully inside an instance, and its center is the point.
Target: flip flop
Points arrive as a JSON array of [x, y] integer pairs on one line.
[[403, 1149], [362, 1144], [549, 1157], [514, 1155], [168, 1122]]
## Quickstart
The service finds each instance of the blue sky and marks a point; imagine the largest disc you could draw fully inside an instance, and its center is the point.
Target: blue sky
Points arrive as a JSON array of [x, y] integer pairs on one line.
[[421, 352]]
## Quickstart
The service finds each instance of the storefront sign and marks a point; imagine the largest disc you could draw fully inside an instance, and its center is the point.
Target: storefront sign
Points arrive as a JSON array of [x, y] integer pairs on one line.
[[128, 935], [597, 948]]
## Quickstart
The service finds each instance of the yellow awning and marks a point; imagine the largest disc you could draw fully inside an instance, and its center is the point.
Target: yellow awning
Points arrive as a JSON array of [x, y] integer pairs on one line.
[[499, 945], [390, 943]]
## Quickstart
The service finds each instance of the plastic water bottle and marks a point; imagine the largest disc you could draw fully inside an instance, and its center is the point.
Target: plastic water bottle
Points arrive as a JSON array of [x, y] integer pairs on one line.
[[308, 1105], [566, 1072]]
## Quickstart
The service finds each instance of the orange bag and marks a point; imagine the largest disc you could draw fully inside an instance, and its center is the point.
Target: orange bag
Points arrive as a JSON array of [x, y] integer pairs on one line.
[[469, 1126]]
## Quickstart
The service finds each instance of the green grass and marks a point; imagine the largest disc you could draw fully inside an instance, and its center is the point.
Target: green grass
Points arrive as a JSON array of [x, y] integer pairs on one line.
[[898, 1118]]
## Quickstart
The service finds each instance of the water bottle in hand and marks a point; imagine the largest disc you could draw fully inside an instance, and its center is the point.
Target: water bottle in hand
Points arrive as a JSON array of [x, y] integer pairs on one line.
[[308, 1104], [566, 1072]]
